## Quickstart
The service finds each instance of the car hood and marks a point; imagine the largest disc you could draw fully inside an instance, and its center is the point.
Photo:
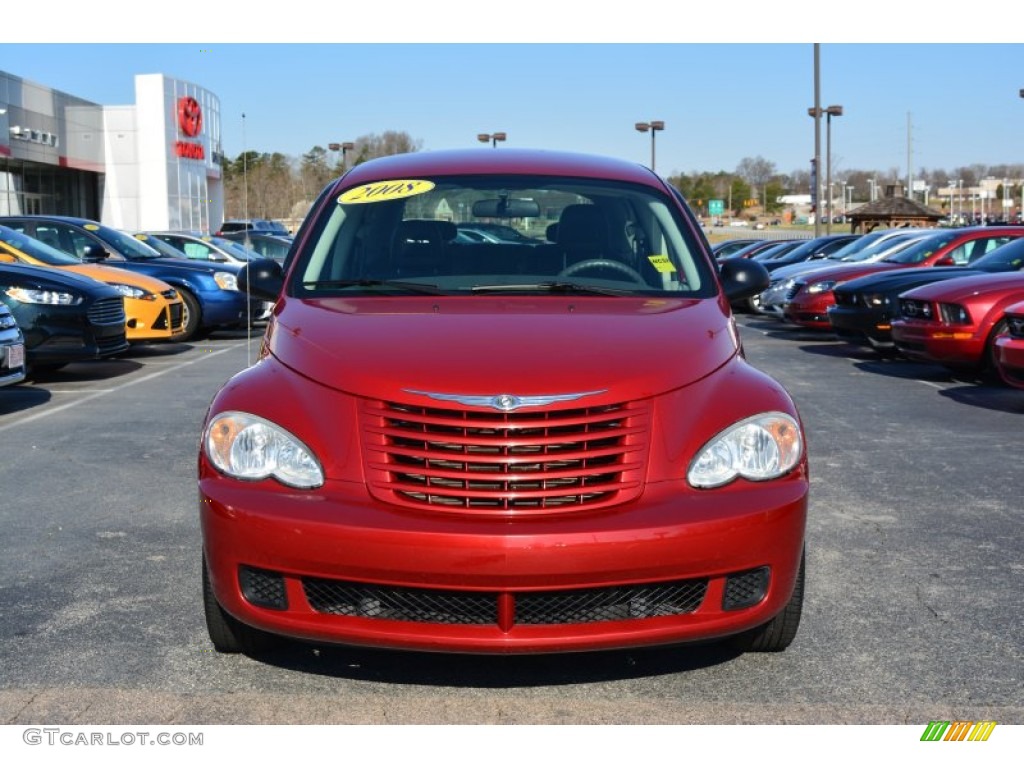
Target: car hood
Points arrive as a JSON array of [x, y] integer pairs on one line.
[[52, 278], [963, 288], [115, 275], [188, 265], [840, 273], [383, 346], [898, 280], [802, 268]]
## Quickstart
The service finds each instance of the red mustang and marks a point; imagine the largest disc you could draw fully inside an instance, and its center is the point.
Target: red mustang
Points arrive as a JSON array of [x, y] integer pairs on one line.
[[956, 322], [547, 444], [1009, 349], [811, 295]]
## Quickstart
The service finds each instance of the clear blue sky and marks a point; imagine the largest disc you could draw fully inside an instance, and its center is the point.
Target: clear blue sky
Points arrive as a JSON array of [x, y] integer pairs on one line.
[[561, 79]]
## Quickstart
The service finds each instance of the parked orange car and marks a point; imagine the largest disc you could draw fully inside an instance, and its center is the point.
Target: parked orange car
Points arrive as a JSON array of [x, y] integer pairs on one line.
[[154, 310]]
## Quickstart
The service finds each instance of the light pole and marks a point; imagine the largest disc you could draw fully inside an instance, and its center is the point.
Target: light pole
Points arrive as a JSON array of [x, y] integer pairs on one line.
[[959, 199], [494, 138], [344, 146], [654, 126], [834, 110], [848, 206]]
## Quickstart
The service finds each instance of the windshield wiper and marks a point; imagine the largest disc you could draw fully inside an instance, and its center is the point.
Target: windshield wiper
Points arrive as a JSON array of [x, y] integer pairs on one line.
[[397, 285], [552, 286]]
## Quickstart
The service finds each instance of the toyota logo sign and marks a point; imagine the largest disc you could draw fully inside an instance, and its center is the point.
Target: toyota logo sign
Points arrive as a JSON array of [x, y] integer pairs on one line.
[[190, 116]]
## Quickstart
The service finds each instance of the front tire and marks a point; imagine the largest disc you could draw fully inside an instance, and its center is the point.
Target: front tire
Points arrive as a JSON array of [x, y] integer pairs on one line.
[[227, 633], [192, 317], [778, 633]]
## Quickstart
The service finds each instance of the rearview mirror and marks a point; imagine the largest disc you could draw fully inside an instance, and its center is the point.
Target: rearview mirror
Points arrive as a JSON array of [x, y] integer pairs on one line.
[[93, 253], [506, 208]]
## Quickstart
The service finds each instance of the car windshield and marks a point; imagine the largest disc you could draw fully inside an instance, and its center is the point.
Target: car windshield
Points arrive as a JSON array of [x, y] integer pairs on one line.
[[236, 249], [126, 245], [872, 249], [918, 252], [574, 235], [37, 249], [1005, 258]]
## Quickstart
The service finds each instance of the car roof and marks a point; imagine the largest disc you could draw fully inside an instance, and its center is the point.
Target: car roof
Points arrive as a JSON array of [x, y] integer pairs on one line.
[[498, 161]]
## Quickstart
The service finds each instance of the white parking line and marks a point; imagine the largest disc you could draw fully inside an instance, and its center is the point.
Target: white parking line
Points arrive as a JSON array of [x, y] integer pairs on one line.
[[100, 393]]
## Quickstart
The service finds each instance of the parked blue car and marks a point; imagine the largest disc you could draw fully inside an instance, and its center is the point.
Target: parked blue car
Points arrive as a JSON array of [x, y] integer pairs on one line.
[[210, 291]]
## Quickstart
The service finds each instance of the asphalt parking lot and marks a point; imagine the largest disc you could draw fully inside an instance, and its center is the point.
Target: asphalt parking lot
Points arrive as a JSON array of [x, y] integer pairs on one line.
[[914, 568]]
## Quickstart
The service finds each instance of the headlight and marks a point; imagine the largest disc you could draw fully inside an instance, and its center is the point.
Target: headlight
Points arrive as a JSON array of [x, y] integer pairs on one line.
[[131, 291], [40, 296], [250, 448], [824, 285], [954, 314], [226, 280], [876, 299], [762, 447]]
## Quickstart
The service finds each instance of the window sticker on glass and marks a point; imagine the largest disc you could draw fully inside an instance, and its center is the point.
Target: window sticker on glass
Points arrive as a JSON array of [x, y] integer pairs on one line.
[[662, 263], [381, 191]]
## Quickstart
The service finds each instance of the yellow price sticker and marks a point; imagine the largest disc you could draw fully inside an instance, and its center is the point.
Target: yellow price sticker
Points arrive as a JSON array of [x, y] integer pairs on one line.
[[380, 191], [662, 263]]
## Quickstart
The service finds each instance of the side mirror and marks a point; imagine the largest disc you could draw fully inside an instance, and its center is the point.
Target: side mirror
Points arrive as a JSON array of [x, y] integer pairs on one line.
[[945, 261], [262, 278], [743, 278], [92, 253]]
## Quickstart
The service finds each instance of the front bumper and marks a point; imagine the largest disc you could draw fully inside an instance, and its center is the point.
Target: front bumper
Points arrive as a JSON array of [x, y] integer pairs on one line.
[[154, 320], [860, 325], [948, 345], [809, 312], [297, 544]]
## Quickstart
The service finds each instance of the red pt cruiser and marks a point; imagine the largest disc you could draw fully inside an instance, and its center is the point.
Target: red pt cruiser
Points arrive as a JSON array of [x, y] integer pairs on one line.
[[551, 443]]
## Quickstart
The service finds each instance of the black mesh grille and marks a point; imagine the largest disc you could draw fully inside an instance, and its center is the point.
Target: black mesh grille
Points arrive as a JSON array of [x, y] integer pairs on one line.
[[112, 342], [263, 588], [743, 590], [582, 606], [401, 604], [107, 312]]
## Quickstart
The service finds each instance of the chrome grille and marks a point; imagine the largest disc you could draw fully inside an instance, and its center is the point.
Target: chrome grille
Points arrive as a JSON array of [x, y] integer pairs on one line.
[[531, 461], [107, 312], [794, 289]]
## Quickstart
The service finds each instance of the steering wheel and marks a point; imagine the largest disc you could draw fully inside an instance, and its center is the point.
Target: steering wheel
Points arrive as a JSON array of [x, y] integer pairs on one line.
[[581, 266]]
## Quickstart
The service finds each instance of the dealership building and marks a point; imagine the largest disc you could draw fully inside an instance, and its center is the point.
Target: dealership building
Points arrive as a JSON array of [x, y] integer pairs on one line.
[[151, 165]]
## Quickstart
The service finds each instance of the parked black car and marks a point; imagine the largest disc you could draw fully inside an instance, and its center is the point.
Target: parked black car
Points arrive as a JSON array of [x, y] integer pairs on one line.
[[865, 306], [65, 317], [252, 225], [12, 348], [210, 291], [817, 248]]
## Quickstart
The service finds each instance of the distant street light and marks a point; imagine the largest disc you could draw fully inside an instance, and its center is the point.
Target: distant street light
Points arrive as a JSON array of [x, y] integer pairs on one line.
[[654, 126], [494, 138], [872, 183], [344, 146], [830, 111]]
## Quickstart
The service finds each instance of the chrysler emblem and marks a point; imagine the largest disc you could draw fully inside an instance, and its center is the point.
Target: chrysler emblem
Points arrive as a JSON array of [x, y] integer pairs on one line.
[[505, 403]]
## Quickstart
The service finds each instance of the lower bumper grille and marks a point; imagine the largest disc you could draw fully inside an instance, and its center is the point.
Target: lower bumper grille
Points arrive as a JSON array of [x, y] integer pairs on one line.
[[578, 606]]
